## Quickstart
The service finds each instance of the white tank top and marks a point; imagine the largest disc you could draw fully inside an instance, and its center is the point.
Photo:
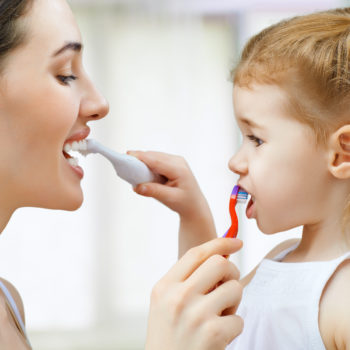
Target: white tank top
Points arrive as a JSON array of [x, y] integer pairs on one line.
[[280, 305]]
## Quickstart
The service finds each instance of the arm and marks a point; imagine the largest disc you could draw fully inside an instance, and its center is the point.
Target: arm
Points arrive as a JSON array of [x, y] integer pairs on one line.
[[182, 194], [334, 316]]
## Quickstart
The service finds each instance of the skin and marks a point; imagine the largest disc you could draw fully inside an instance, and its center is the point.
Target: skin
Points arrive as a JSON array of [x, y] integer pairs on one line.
[[46, 100], [294, 181], [290, 197], [40, 112]]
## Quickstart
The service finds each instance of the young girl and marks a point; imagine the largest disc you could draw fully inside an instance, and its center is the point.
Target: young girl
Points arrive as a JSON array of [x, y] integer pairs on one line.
[[46, 101], [292, 104]]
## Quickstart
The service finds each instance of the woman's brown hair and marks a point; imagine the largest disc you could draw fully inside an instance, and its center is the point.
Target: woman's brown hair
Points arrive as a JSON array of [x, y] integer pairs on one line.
[[12, 34]]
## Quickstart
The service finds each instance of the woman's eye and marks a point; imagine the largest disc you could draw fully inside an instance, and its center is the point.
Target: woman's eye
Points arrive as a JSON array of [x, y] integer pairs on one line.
[[66, 79], [255, 139]]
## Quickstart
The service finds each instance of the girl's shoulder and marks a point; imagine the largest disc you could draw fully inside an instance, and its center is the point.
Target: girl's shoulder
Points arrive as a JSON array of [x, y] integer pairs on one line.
[[334, 316], [274, 252]]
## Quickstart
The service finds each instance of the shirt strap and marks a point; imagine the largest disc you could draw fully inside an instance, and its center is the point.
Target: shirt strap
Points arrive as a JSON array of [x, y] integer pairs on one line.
[[14, 310]]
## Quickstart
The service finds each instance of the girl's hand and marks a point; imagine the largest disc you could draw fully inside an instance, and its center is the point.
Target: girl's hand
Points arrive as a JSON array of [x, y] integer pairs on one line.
[[180, 193], [187, 311]]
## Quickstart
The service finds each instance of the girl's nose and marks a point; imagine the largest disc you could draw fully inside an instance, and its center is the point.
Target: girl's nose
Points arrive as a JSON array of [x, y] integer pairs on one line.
[[238, 164], [93, 106]]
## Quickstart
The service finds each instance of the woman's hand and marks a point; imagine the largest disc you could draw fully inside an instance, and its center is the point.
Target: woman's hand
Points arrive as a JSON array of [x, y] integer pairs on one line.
[[193, 306], [180, 193]]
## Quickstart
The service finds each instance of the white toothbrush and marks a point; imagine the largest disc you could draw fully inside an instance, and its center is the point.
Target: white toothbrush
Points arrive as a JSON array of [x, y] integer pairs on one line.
[[129, 168]]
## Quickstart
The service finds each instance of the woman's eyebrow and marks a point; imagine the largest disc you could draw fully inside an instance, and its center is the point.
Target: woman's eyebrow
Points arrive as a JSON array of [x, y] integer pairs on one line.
[[75, 46]]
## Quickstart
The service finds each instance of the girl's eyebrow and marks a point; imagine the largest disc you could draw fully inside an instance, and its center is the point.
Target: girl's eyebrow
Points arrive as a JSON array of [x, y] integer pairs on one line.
[[75, 46], [250, 123]]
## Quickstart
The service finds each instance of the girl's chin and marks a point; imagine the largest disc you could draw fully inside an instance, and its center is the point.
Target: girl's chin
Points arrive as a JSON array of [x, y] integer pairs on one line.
[[269, 229]]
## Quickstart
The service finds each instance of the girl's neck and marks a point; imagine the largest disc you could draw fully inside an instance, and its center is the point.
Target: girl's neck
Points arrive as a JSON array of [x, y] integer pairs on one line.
[[320, 242]]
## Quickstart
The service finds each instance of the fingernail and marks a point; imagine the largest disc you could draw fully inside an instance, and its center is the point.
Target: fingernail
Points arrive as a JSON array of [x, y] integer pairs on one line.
[[142, 189]]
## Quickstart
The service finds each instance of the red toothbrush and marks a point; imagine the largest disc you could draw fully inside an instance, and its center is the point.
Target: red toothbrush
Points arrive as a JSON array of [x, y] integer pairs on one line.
[[237, 196]]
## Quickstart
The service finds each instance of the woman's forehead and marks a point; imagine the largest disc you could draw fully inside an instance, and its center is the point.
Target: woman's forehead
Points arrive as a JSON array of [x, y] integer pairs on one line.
[[50, 24]]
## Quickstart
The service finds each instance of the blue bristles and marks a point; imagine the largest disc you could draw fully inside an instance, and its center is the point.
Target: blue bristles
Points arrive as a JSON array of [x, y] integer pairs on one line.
[[242, 196]]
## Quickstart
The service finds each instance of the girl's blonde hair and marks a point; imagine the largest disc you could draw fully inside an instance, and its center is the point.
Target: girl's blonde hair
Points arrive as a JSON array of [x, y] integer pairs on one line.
[[308, 56]]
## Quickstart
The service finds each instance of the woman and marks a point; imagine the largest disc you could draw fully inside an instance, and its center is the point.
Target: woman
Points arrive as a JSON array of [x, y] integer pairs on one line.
[[46, 101]]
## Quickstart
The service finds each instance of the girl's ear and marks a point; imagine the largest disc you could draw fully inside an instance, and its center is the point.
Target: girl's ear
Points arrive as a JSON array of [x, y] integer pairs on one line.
[[339, 153]]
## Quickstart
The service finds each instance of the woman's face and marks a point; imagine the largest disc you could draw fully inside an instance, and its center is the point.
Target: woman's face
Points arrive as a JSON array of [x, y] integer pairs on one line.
[[46, 100]]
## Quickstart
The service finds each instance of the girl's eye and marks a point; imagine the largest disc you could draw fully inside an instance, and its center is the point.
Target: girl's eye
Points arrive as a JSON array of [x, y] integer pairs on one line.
[[258, 141], [66, 79]]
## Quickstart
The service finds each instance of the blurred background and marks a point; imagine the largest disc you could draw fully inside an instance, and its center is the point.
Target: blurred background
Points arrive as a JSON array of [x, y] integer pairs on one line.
[[85, 277]]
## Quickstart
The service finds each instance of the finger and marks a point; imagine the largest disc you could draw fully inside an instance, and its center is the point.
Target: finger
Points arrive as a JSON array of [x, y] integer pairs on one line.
[[195, 257], [214, 270], [227, 327], [164, 194], [224, 298], [164, 164]]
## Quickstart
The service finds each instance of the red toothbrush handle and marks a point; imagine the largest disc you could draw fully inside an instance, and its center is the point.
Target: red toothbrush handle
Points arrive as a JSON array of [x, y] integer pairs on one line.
[[232, 231]]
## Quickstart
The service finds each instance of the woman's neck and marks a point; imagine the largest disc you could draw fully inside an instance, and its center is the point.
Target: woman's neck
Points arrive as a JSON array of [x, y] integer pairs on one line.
[[5, 215]]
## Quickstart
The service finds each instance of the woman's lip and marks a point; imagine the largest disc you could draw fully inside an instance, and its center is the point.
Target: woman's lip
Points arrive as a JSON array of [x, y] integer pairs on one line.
[[78, 170], [78, 136]]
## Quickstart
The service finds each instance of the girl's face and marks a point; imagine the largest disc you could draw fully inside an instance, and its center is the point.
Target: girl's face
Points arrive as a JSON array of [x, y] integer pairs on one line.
[[278, 163], [46, 100]]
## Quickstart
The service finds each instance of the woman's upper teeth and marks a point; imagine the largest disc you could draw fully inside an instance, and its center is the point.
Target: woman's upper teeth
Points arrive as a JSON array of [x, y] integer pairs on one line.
[[75, 146]]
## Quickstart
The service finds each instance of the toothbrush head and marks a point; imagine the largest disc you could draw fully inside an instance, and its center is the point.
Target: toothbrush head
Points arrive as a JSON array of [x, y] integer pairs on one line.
[[242, 196], [89, 147], [238, 195]]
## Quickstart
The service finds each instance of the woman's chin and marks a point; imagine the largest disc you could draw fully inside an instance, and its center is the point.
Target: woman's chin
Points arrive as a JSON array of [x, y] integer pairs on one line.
[[73, 203], [70, 202]]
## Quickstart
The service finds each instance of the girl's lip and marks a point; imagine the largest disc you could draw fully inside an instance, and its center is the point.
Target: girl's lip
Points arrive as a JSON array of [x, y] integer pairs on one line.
[[78, 136], [250, 209], [242, 188]]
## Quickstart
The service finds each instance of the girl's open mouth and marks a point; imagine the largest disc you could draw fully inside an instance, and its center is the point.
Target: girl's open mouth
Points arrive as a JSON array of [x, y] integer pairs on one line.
[[250, 207]]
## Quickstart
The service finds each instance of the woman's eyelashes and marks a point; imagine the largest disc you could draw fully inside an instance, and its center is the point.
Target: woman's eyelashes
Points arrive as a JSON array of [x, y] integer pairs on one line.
[[258, 142], [66, 79]]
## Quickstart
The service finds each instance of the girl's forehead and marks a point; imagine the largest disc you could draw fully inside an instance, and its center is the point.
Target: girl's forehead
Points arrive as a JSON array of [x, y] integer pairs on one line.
[[259, 102]]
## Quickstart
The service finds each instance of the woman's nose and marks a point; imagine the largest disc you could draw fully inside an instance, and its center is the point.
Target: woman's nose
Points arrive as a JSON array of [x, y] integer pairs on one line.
[[238, 164], [93, 106]]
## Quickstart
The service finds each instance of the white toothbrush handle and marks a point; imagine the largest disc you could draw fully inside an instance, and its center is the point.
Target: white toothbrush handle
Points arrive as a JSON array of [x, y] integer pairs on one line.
[[129, 168], [135, 172]]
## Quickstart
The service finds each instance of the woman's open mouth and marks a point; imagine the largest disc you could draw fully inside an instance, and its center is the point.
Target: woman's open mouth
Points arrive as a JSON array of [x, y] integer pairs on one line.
[[74, 146]]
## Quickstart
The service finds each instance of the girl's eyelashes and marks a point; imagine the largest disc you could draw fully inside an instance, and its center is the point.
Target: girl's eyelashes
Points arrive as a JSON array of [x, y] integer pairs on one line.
[[66, 79], [255, 139]]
